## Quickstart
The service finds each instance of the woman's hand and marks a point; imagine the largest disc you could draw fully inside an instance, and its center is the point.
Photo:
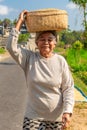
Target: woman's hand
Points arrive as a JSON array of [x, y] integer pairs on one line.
[[21, 19], [66, 118]]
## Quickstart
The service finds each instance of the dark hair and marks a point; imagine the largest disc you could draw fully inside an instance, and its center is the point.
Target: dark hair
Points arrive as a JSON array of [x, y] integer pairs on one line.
[[42, 32]]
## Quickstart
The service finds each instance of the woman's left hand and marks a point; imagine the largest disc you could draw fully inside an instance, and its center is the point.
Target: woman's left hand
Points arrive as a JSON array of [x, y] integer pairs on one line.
[[66, 118]]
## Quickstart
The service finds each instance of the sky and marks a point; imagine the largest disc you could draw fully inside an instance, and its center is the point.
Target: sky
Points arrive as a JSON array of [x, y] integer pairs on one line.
[[11, 9]]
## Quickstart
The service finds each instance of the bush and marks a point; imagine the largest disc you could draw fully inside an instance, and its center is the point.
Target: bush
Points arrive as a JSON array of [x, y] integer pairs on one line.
[[77, 45], [2, 50], [23, 37]]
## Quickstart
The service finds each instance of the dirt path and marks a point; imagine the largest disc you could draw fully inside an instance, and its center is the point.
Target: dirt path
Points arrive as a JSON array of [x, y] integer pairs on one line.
[[79, 118], [78, 96]]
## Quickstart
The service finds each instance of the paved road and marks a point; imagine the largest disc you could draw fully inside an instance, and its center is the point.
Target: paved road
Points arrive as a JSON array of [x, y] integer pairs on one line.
[[12, 95]]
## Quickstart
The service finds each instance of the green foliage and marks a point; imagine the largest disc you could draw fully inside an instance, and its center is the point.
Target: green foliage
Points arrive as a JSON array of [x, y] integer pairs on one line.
[[2, 50], [6, 22], [77, 45], [77, 59], [79, 83], [84, 36], [83, 5], [14, 21], [69, 37], [78, 64], [59, 50], [0, 21], [61, 44], [78, 67], [83, 76], [23, 37]]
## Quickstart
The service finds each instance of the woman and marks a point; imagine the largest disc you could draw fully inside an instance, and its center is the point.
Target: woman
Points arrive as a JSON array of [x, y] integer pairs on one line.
[[50, 89]]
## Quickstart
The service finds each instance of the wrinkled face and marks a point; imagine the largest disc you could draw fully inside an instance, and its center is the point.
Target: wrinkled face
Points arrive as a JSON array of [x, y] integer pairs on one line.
[[46, 43]]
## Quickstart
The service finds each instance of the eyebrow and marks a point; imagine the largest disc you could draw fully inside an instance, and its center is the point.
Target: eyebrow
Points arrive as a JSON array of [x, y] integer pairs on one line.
[[48, 37]]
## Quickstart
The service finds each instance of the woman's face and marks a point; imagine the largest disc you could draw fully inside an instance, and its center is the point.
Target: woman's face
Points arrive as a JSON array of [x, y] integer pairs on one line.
[[46, 43]]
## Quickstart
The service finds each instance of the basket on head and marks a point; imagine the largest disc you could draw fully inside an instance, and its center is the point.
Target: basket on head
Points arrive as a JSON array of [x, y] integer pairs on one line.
[[46, 19]]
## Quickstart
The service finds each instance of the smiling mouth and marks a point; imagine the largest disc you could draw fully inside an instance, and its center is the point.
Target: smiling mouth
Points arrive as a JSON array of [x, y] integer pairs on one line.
[[45, 46]]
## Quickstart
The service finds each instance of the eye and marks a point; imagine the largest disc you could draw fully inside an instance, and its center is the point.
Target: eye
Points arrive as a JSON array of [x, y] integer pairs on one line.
[[42, 39], [50, 40]]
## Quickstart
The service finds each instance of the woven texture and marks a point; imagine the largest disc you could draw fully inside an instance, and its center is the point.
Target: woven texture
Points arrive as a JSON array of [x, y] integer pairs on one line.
[[46, 19]]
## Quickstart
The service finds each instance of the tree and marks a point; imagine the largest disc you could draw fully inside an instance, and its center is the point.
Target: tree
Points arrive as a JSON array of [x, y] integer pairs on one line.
[[6, 22], [0, 22], [14, 21], [82, 4], [69, 37]]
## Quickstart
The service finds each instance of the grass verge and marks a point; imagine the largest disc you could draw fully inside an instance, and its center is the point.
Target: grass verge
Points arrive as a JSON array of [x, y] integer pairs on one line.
[[2, 50], [79, 83]]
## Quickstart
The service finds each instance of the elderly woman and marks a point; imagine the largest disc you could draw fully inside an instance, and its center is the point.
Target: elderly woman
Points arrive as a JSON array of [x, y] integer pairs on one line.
[[50, 88]]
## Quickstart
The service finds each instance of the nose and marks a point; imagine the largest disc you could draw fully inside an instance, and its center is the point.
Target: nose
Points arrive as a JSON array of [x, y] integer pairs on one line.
[[46, 41]]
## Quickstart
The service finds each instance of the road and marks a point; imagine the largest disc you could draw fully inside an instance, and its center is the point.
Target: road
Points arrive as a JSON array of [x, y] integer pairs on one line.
[[12, 95]]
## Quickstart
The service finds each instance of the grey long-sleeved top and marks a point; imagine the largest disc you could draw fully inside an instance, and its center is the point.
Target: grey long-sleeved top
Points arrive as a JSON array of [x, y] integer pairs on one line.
[[50, 87]]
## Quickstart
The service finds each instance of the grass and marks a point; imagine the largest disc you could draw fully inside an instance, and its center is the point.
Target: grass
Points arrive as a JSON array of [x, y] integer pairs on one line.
[[57, 49], [81, 105], [76, 58], [79, 61], [79, 83], [2, 50], [69, 54], [83, 53]]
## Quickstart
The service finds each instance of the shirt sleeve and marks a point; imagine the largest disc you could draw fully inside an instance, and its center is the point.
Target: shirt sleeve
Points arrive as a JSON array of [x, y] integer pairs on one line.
[[17, 52], [67, 89]]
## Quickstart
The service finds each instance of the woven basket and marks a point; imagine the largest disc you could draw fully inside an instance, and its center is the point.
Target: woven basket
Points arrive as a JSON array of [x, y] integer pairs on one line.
[[46, 19]]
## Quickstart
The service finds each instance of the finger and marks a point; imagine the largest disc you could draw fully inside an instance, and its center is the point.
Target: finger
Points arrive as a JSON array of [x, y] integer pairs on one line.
[[23, 14], [25, 11], [66, 123]]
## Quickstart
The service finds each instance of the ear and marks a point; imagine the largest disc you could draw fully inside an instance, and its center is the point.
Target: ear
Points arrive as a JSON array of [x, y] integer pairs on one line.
[[55, 43]]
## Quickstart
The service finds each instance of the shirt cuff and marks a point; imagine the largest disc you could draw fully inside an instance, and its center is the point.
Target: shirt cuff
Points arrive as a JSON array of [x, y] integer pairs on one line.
[[68, 109], [15, 32]]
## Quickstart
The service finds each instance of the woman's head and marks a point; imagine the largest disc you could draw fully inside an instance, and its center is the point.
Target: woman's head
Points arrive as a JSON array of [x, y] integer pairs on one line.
[[46, 42], [42, 32]]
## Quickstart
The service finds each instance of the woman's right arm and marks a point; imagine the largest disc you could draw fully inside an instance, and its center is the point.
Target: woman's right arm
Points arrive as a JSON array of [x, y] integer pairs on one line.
[[16, 51]]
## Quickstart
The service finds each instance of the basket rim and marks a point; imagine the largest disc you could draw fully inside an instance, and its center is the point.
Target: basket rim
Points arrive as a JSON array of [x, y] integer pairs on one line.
[[48, 11]]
